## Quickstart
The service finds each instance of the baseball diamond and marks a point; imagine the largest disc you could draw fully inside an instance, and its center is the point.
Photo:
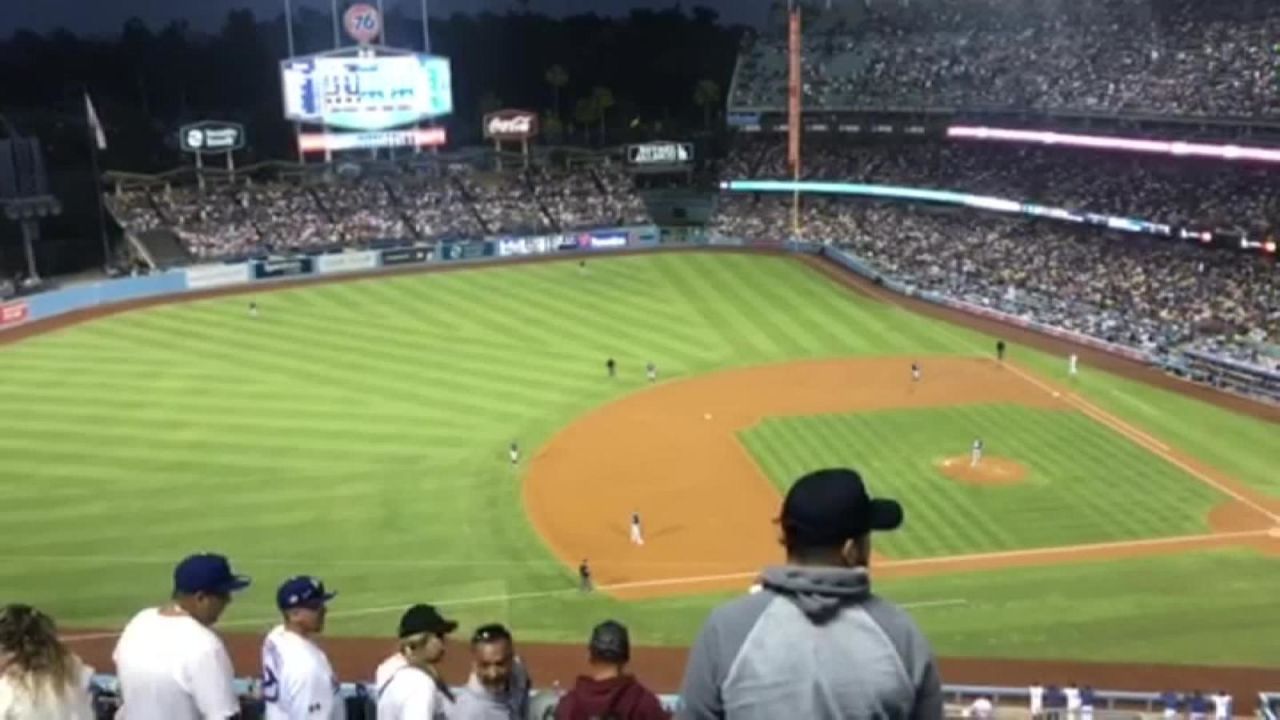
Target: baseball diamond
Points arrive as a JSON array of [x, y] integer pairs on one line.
[[359, 431]]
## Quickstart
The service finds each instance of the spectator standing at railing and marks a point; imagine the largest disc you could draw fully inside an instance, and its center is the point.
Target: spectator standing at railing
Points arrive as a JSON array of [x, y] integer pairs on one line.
[[408, 684], [1170, 702], [498, 688], [815, 642], [298, 683], [1197, 706], [170, 663], [607, 690], [1221, 705], [40, 679]]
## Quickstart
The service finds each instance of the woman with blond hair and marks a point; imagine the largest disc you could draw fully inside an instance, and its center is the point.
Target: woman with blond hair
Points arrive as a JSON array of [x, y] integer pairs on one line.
[[39, 678]]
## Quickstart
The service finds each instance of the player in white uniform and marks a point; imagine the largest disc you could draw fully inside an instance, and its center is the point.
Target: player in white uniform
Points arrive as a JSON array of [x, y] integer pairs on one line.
[[915, 372], [298, 682], [1073, 365], [253, 309], [1221, 705], [652, 371], [975, 455], [515, 453], [637, 535]]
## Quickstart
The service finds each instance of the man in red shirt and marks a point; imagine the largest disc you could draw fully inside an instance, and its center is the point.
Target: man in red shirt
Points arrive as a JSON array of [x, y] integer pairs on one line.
[[607, 691]]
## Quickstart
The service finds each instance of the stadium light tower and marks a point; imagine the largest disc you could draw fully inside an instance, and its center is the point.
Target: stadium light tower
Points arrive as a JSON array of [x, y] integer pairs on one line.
[[24, 191]]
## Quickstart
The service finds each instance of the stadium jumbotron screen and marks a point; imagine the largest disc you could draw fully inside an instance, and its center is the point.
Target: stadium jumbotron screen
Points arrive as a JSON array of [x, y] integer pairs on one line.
[[366, 93]]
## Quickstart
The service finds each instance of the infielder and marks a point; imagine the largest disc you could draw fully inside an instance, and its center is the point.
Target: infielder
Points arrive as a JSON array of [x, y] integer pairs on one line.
[[975, 455], [584, 576], [253, 309], [515, 453], [652, 371], [298, 683], [1073, 364], [915, 372], [1000, 350], [611, 367], [637, 535]]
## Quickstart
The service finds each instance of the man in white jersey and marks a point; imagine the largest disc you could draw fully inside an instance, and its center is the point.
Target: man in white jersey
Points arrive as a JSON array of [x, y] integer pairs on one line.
[[170, 664], [1221, 705], [975, 455], [1073, 365], [408, 685], [297, 680]]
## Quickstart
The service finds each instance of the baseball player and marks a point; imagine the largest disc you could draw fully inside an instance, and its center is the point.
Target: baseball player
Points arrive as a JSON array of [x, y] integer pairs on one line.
[[1073, 365], [298, 683], [611, 367], [915, 372], [637, 535], [1000, 350], [515, 453], [253, 309], [584, 576], [975, 455], [652, 371]]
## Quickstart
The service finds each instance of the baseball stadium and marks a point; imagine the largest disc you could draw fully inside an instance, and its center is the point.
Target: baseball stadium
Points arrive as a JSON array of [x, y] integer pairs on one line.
[[553, 387]]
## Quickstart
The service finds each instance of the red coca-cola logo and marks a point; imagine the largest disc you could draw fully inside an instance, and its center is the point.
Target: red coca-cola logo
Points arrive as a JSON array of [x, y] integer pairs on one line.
[[510, 125]]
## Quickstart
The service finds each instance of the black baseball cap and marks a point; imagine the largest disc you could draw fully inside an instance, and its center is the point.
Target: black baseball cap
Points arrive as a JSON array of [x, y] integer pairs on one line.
[[493, 632], [827, 507], [421, 619], [610, 642], [206, 573]]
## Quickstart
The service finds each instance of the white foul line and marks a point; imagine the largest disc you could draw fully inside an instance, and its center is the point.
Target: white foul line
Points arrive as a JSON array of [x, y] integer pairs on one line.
[[1145, 441]]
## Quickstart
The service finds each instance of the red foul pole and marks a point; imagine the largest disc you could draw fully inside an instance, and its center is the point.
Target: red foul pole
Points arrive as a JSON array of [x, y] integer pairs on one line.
[[793, 113]]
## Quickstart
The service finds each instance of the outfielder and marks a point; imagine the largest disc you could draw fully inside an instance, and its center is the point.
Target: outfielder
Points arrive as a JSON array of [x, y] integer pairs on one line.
[[298, 682], [1073, 364], [975, 455], [915, 372], [637, 535], [253, 309], [652, 371], [515, 453], [611, 367], [584, 576]]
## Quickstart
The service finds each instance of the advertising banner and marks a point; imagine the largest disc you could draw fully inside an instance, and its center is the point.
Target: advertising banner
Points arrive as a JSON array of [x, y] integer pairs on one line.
[[405, 256], [333, 142], [211, 136], [347, 262], [538, 245], [511, 125], [282, 267], [604, 241], [465, 250], [14, 313], [202, 277]]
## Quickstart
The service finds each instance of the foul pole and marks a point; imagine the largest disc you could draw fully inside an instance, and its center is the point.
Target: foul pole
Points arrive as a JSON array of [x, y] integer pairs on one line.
[[794, 88]]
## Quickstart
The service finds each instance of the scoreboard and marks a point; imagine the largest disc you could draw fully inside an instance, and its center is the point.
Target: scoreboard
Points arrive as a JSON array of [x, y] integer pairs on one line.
[[371, 92]]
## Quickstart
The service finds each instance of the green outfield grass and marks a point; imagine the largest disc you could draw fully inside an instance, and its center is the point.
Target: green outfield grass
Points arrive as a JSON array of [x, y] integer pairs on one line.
[[358, 431], [1085, 483]]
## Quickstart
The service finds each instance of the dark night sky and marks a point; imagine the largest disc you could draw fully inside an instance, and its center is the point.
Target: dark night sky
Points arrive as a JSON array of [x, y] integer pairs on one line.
[[100, 16]]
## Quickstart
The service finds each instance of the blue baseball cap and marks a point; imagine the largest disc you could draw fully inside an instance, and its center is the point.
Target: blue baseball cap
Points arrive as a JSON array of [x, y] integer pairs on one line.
[[207, 573], [302, 591]]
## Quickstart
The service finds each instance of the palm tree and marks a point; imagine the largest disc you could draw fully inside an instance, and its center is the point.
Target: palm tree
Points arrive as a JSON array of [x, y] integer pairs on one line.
[[585, 112], [706, 95], [557, 77], [602, 98]]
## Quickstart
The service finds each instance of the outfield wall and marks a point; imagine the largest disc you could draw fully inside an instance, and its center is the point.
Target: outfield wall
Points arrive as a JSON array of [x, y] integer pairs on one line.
[[16, 313]]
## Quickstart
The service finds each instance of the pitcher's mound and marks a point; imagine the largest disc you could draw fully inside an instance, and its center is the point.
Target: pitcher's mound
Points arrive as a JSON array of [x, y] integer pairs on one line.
[[990, 471]]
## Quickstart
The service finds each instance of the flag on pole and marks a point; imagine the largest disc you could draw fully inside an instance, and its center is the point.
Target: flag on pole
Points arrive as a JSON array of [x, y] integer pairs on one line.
[[95, 126]]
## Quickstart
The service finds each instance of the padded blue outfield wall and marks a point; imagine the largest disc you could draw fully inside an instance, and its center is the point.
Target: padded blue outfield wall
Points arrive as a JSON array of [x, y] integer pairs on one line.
[[49, 304]]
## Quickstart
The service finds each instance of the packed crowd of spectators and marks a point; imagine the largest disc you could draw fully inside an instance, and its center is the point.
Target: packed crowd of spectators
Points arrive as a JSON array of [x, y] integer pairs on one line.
[[1143, 292], [1171, 57], [316, 212]]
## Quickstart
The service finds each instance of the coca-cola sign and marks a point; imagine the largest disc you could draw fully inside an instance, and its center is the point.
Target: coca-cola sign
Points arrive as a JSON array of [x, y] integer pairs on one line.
[[510, 125]]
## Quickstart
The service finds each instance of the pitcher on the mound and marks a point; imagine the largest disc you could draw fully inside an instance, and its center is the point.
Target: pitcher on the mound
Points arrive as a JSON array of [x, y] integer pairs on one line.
[[975, 455], [637, 535]]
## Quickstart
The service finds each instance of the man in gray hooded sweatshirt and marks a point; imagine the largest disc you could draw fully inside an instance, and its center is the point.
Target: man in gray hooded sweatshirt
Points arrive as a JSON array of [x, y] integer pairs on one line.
[[814, 643], [498, 688]]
